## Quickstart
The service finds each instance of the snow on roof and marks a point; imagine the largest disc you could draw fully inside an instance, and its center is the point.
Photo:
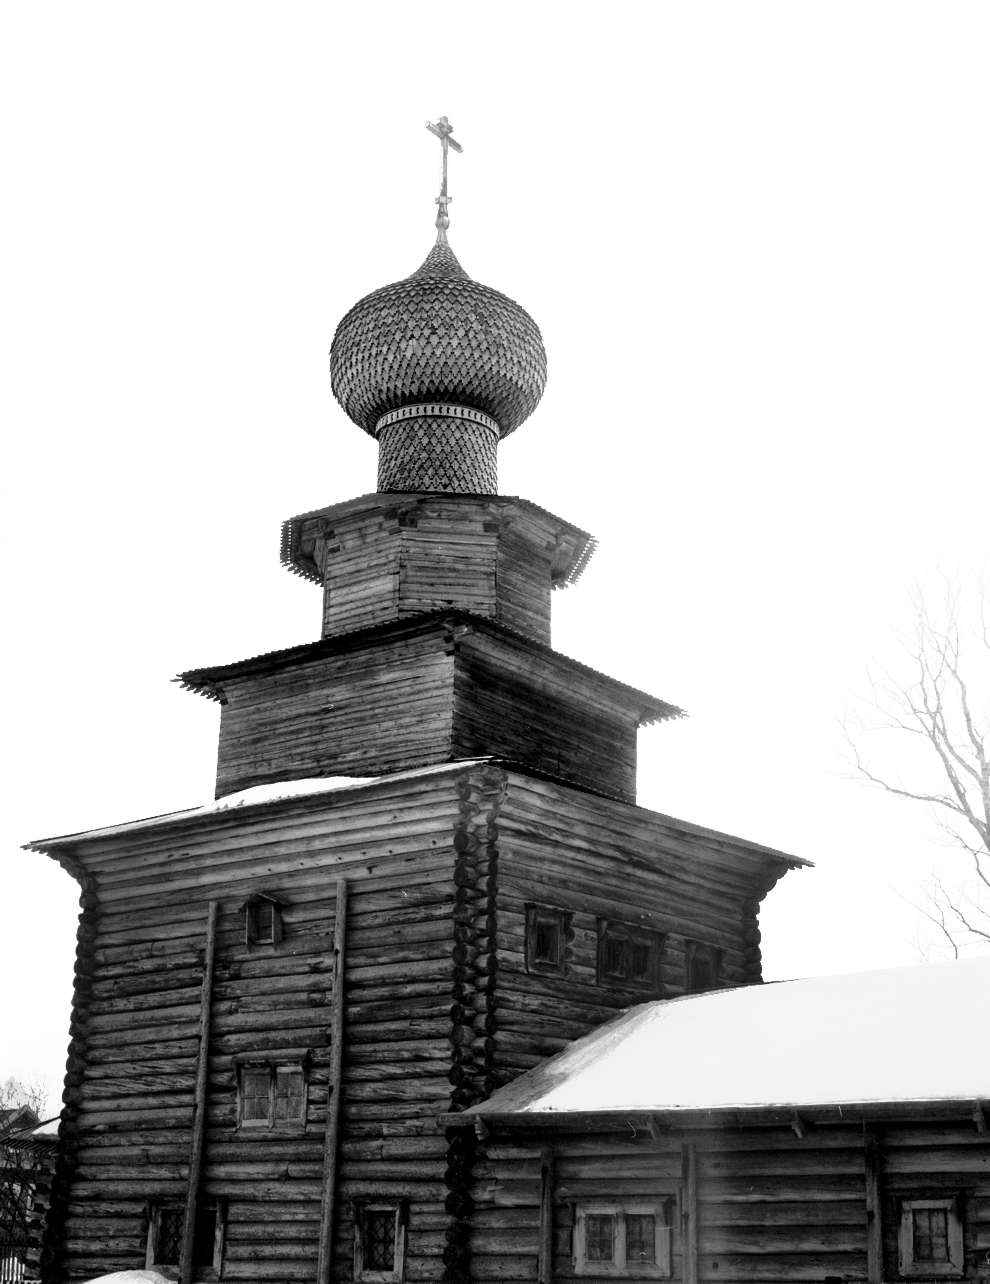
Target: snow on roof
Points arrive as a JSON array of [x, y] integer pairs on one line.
[[256, 796], [900, 1035], [131, 1277]]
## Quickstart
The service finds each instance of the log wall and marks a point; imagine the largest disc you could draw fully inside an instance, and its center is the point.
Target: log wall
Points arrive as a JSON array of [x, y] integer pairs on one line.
[[432, 690], [438, 1008], [136, 1046], [597, 858], [770, 1207]]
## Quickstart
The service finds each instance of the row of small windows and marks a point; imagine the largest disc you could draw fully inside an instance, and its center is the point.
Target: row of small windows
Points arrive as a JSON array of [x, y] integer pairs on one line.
[[609, 1238], [627, 955]]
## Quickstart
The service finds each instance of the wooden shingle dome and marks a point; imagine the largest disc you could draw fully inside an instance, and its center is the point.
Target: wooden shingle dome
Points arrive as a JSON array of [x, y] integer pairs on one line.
[[438, 368]]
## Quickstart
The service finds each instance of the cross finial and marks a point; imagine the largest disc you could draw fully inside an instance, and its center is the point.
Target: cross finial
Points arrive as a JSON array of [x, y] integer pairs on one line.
[[443, 130]]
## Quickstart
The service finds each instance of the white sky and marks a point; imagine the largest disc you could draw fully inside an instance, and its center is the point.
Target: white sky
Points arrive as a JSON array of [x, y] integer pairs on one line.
[[756, 239]]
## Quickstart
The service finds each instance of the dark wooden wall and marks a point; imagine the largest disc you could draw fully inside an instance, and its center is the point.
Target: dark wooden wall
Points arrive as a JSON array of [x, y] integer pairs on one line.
[[439, 1008], [598, 858], [132, 1099], [436, 689], [770, 1207]]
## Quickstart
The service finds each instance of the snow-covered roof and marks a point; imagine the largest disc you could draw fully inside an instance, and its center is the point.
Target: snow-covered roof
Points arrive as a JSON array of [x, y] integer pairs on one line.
[[131, 1277], [256, 796], [916, 1034]]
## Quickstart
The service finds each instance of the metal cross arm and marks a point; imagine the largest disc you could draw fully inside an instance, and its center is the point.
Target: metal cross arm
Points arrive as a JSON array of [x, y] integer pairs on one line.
[[443, 130]]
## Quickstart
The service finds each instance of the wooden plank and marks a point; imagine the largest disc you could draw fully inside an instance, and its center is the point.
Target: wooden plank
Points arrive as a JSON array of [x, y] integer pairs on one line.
[[544, 1272], [874, 1217], [325, 1248], [689, 1223], [199, 1110]]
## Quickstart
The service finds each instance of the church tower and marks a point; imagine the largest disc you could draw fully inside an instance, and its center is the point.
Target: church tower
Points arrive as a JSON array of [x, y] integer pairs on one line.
[[424, 872]]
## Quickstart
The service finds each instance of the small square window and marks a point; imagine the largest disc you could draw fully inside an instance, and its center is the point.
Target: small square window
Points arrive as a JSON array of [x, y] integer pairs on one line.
[[379, 1242], [547, 935], [166, 1223], [262, 919], [703, 967], [271, 1096], [930, 1239], [629, 956], [623, 1240]]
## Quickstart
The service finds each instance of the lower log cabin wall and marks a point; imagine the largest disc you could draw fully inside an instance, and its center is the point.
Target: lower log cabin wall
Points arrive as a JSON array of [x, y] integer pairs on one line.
[[764, 1204], [130, 1093], [439, 1008]]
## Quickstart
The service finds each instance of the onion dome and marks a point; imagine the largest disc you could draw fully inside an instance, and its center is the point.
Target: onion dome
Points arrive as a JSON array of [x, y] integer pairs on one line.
[[438, 368], [438, 336]]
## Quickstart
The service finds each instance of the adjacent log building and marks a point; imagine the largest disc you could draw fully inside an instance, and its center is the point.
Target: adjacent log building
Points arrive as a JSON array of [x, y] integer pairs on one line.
[[425, 873]]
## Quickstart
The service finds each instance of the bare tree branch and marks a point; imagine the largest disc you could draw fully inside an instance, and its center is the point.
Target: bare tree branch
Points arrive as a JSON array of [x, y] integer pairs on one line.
[[943, 706]]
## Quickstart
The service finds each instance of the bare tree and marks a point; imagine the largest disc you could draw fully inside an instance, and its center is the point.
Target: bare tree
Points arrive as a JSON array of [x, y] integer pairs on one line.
[[26, 1164], [940, 715], [15, 1093]]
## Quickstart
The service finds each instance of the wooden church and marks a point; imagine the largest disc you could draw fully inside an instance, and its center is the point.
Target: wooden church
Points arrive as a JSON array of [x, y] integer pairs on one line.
[[424, 875]]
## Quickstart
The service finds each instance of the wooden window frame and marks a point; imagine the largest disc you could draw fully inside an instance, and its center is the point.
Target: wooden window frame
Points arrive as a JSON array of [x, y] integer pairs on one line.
[[561, 920], [660, 1269], [691, 951], [271, 1123], [400, 1210], [955, 1267], [252, 936], [218, 1207], [610, 930]]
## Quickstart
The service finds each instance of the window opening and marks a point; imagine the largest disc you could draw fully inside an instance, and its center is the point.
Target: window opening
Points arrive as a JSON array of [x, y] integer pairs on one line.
[[704, 964], [629, 956], [930, 1239], [547, 934], [271, 1095], [612, 1239], [165, 1228], [262, 919], [379, 1241]]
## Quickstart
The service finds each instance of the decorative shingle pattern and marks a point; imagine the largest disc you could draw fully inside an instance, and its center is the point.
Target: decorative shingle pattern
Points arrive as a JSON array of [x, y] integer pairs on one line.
[[438, 336], [436, 453]]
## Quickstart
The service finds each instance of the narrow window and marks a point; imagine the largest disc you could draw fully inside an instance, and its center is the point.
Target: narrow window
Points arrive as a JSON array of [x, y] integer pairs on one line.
[[379, 1241], [623, 1239], [641, 1238], [271, 1096], [255, 1097], [930, 1238], [547, 935], [262, 920], [165, 1227], [289, 1094], [629, 956], [704, 966], [599, 1237]]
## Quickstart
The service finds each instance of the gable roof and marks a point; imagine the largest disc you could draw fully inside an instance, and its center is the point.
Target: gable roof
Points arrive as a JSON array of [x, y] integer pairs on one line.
[[917, 1034]]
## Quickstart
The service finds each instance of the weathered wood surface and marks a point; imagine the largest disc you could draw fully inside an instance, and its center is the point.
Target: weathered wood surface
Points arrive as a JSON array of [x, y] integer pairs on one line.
[[437, 1005], [770, 1207], [387, 557], [136, 1087], [426, 691]]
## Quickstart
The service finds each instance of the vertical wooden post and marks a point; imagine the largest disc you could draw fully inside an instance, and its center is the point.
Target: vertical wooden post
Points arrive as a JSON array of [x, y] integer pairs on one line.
[[199, 1100], [874, 1217], [689, 1215], [324, 1261], [545, 1260]]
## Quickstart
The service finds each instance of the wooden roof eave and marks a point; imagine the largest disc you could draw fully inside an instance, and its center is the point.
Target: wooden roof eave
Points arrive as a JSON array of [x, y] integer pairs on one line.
[[796, 1117], [209, 681], [575, 546]]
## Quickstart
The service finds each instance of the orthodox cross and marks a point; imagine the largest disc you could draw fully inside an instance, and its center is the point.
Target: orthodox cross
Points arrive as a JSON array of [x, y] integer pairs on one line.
[[443, 130]]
